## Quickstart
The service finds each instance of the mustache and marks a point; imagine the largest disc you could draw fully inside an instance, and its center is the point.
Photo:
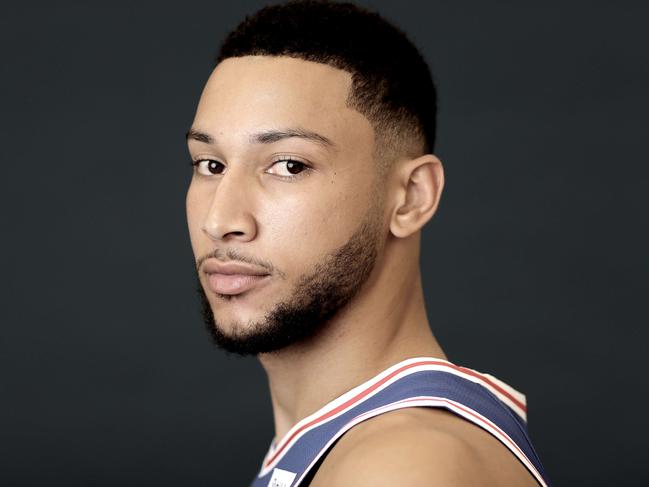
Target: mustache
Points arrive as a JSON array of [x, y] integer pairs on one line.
[[233, 255]]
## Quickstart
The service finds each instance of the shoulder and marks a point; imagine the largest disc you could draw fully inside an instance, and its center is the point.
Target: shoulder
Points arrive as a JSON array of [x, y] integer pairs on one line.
[[417, 447]]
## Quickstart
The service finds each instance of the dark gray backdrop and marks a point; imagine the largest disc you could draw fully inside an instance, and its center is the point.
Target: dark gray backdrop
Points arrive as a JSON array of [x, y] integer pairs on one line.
[[534, 265]]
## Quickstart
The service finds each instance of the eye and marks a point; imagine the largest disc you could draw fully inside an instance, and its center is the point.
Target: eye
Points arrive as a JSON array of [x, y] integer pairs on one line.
[[212, 167], [284, 168], [288, 168]]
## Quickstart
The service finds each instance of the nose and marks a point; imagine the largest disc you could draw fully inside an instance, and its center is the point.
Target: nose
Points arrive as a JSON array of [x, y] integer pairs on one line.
[[230, 214]]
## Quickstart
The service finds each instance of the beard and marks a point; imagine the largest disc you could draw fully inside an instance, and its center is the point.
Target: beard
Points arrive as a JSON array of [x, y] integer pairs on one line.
[[318, 296]]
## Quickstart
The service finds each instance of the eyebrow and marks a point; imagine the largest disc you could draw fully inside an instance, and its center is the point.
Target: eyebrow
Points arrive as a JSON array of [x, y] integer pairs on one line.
[[270, 136]]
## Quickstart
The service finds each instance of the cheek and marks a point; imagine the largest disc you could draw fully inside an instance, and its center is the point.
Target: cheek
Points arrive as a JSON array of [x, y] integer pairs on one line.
[[299, 231], [290, 228], [194, 211]]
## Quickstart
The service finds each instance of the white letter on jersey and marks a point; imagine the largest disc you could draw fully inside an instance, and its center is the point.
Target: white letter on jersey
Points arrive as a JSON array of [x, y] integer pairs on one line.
[[281, 478]]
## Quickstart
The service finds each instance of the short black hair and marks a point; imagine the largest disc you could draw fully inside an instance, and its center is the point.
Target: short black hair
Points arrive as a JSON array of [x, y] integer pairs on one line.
[[391, 83]]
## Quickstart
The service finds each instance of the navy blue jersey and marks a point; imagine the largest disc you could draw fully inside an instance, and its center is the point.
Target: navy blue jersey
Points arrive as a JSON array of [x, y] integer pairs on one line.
[[422, 381]]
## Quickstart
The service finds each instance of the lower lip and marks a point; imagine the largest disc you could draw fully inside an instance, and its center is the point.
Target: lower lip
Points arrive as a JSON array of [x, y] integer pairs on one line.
[[234, 283]]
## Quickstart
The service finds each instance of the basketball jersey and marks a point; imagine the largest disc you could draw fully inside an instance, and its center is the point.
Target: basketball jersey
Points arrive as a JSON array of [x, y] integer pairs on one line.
[[422, 381]]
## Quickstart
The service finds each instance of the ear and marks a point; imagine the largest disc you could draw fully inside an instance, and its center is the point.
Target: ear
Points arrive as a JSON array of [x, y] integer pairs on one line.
[[419, 183]]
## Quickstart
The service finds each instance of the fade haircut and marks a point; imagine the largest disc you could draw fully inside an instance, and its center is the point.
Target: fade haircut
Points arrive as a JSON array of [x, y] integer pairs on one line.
[[391, 83]]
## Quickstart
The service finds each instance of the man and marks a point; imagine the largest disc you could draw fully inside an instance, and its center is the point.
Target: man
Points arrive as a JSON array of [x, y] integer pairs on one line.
[[313, 176]]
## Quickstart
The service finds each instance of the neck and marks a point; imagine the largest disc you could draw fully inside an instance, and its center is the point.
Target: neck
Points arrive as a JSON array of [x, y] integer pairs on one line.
[[385, 323]]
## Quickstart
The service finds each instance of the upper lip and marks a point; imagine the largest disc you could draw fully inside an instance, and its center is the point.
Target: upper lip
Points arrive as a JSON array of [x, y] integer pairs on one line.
[[213, 266]]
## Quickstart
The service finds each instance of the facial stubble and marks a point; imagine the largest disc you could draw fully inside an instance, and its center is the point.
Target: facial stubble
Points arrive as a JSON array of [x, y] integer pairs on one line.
[[318, 296]]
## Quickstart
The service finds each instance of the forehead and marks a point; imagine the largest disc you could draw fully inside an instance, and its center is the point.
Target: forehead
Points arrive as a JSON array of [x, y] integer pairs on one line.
[[252, 93]]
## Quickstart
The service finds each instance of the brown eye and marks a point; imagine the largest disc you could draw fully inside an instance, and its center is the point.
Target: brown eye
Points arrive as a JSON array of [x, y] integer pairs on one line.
[[288, 168], [212, 166], [294, 167]]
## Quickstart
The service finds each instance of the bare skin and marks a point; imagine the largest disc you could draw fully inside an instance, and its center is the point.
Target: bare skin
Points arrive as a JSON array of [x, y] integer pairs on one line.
[[420, 447], [294, 223]]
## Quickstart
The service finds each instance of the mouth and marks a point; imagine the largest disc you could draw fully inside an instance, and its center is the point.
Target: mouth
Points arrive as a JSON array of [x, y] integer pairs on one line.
[[233, 284]]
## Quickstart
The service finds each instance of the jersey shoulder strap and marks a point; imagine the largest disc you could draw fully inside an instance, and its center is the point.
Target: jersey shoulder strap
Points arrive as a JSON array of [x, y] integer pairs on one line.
[[422, 381]]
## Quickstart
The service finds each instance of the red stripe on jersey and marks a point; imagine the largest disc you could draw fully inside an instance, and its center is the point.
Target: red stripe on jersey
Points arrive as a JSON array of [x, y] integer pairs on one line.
[[374, 386]]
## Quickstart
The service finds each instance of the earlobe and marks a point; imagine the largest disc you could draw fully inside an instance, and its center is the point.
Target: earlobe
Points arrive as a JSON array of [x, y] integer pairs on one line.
[[420, 185]]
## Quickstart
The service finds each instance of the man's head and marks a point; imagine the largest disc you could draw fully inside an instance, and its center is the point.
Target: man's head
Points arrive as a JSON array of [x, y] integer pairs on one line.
[[391, 83], [307, 136]]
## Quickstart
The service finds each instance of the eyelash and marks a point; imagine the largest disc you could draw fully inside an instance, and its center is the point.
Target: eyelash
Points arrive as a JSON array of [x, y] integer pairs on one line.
[[305, 172]]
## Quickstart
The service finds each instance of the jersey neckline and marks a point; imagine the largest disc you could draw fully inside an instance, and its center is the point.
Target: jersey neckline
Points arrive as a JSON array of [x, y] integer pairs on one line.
[[512, 397]]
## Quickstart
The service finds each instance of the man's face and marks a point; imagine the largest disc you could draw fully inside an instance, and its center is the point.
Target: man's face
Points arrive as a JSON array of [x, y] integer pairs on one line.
[[313, 224]]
